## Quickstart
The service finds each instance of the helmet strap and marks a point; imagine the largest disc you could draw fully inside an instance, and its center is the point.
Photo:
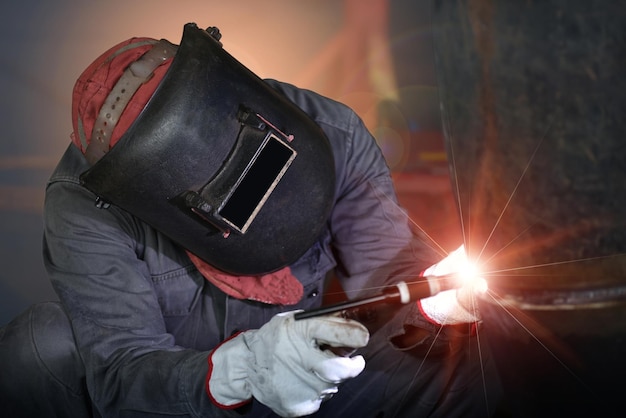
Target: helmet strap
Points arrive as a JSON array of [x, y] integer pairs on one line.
[[133, 77]]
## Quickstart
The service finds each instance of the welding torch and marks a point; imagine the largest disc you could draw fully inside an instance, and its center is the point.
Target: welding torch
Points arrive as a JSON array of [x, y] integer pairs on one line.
[[398, 293], [369, 310]]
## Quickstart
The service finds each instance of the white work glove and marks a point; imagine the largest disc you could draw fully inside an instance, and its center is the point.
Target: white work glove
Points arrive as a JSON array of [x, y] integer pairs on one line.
[[282, 366], [453, 306]]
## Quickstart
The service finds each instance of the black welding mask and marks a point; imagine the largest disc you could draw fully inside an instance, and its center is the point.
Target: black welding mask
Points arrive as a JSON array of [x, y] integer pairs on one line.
[[222, 164]]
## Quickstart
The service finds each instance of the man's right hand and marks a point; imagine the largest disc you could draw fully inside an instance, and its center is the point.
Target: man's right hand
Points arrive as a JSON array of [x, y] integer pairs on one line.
[[282, 365]]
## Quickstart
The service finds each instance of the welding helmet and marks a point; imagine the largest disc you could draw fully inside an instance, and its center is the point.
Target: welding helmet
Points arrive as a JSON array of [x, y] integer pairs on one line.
[[213, 157]]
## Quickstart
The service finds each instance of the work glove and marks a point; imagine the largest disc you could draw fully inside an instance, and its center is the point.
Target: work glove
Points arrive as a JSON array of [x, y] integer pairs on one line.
[[453, 306], [284, 364]]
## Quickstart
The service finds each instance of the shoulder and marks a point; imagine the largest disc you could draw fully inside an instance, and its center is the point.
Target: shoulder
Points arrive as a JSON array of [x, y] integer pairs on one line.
[[326, 112], [65, 195], [70, 208], [70, 167]]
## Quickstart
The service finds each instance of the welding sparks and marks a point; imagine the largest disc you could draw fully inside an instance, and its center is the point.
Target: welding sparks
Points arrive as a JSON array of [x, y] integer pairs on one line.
[[470, 276]]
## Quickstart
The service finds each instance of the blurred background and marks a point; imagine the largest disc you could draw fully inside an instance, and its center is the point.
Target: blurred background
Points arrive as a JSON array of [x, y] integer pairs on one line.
[[551, 70], [374, 55]]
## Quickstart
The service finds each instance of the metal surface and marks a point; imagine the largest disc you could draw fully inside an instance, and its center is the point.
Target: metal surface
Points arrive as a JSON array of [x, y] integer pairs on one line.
[[532, 95]]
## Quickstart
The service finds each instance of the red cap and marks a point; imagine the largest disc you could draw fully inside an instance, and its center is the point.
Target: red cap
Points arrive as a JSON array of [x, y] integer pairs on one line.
[[96, 82]]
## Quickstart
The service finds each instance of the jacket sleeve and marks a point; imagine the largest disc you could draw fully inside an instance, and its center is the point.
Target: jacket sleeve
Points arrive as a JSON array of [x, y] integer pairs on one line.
[[373, 235], [133, 366], [374, 240]]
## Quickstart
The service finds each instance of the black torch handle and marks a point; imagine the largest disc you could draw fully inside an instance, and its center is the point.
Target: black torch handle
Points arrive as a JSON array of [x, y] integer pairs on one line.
[[398, 293], [351, 304]]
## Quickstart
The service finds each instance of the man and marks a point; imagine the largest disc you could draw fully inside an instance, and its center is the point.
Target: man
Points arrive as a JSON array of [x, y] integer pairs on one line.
[[196, 209]]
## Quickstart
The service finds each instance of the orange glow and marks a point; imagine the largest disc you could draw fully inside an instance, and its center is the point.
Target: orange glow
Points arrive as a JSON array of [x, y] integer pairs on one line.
[[470, 275], [338, 48]]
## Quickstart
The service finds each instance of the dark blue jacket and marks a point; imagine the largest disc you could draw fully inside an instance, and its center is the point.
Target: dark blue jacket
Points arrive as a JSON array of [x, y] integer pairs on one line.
[[145, 319]]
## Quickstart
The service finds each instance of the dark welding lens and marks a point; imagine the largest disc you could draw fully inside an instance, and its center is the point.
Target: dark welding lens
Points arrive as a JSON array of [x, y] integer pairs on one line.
[[257, 182]]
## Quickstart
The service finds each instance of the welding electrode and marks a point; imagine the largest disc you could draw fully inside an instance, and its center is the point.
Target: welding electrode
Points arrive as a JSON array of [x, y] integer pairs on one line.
[[399, 293]]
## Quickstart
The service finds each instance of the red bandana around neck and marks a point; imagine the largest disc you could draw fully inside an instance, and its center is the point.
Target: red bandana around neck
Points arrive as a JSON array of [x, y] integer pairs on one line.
[[277, 288]]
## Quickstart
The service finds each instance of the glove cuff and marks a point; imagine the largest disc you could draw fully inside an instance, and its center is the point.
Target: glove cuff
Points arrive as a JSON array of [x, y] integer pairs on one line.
[[227, 379], [445, 309]]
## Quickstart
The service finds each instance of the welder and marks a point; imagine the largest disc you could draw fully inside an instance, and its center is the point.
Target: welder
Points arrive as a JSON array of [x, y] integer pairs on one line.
[[197, 208]]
